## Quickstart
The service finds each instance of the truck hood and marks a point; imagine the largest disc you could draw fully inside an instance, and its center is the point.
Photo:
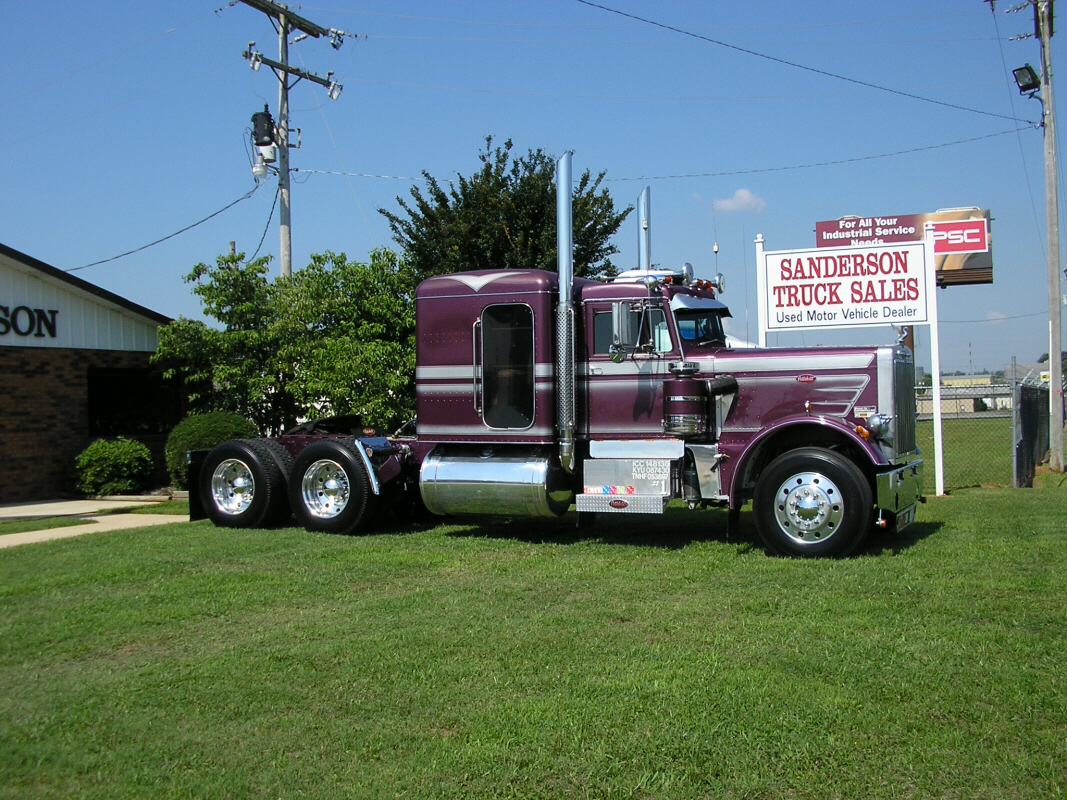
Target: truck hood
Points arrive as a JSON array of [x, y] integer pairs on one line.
[[713, 359]]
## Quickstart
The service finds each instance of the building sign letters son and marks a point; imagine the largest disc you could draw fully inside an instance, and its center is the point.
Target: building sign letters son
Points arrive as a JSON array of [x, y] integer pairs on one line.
[[26, 321]]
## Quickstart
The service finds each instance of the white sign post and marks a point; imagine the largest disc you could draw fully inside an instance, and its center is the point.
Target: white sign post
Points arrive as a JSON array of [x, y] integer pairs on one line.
[[935, 359], [846, 287]]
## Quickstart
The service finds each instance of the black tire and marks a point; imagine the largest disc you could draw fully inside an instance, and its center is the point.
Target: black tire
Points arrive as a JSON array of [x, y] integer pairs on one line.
[[329, 489], [812, 503], [267, 448], [241, 485]]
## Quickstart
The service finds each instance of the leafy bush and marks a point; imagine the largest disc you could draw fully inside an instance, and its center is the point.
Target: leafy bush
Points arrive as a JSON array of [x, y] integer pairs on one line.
[[202, 432], [116, 466]]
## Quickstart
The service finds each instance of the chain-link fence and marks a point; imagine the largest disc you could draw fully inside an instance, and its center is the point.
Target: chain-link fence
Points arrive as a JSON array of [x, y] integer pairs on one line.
[[993, 434], [1030, 431]]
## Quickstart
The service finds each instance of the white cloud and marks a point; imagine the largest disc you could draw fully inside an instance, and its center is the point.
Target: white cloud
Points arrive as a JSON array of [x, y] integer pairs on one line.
[[743, 201], [995, 316]]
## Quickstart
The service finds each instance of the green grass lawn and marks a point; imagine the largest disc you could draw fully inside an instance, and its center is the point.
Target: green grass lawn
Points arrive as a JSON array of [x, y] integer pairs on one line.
[[641, 658], [977, 451]]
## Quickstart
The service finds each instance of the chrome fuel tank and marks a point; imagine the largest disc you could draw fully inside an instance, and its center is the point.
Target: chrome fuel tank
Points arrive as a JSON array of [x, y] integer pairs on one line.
[[494, 479]]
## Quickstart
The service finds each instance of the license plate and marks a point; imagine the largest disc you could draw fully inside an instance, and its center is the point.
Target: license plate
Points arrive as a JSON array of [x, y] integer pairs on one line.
[[905, 518]]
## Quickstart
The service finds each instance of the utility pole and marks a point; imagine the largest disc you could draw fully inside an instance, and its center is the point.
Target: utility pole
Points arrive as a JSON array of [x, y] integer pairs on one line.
[[285, 219], [1043, 18], [287, 22]]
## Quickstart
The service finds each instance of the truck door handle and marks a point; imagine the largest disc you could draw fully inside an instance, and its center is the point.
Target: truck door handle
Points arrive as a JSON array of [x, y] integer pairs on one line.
[[596, 371], [476, 367]]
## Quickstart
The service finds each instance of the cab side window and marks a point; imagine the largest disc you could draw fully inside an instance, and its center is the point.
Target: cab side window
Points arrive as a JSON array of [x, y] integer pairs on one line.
[[508, 366], [602, 333], [647, 329]]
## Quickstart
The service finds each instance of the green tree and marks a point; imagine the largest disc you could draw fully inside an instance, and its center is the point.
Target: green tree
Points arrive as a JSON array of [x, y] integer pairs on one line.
[[348, 329], [504, 217], [238, 367], [338, 337]]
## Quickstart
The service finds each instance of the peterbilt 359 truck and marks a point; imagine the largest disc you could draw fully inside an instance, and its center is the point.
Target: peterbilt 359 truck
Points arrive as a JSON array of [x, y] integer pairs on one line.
[[538, 391]]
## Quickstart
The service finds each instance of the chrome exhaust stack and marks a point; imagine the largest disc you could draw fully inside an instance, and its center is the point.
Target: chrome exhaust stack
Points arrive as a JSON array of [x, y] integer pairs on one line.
[[565, 314], [644, 230]]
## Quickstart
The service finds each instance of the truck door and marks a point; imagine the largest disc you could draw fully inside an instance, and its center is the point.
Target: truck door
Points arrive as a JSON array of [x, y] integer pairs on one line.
[[624, 400]]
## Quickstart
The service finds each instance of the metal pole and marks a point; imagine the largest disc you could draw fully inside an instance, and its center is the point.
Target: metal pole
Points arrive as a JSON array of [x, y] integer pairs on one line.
[[1052, 216], [1014, 427], [285, 246], [935, 355], [761, 295]]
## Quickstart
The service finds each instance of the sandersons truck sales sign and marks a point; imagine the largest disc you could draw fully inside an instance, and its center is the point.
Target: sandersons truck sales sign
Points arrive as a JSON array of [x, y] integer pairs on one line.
[[844, 286]]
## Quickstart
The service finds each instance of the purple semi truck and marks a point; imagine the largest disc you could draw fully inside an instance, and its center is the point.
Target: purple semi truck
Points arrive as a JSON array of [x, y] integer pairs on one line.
[[537, 391]]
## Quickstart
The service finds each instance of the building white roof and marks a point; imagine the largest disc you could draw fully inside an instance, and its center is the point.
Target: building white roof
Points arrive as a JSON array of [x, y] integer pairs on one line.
[[42, 306]]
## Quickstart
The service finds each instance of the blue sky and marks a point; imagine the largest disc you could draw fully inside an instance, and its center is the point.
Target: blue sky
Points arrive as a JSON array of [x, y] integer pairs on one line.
[[123, 122]]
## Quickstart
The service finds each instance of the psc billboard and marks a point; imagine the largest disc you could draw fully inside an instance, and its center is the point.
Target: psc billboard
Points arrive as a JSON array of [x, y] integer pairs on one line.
[[963, 242]]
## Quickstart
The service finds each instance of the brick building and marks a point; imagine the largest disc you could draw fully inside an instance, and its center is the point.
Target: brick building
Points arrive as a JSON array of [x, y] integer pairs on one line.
[[74, 367]]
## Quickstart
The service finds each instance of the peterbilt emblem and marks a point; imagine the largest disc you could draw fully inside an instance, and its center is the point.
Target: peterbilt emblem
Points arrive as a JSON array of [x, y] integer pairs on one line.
[[806, 378], [618, 503], [368, 431]]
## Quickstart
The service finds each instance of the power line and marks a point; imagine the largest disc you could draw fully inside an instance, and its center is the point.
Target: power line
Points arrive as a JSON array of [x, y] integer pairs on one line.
[[341, 161], [646, 43], [597, 25], [997, 319], [107, 58], [816, 164], [69, 122], [171, 236], [1018, 137], [795, 65], [357, 175], [267, 226], [674, 97]]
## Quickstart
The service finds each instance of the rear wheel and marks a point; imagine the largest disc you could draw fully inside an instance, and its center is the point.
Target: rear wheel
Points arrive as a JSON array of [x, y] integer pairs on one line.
[[812, 502], [242, 485], [330, 491]]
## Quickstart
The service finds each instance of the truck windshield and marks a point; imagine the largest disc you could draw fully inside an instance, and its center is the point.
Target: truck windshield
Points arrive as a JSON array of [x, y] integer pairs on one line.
[[700, 327]]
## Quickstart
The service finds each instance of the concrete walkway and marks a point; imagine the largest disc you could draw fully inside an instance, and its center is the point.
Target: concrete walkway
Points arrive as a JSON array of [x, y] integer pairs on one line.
[[88, 510], [111, 522], [70, 508]]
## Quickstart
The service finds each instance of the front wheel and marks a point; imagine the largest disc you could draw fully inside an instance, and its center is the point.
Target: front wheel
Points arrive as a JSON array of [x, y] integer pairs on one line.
[[330, 491], [812, 502]]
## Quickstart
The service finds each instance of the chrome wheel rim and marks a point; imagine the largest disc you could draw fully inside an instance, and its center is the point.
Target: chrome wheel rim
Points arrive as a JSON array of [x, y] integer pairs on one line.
[[808, 507], [232, 487], [325, 489]]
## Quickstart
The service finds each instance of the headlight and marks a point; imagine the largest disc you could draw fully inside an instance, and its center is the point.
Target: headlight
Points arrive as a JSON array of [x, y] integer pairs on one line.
[[880, 426]]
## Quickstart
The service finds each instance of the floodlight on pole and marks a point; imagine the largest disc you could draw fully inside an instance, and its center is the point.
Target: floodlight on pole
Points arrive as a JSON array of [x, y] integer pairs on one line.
[[1026, 79]]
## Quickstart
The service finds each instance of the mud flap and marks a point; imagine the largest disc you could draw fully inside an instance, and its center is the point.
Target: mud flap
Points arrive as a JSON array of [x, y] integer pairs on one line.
[[194, 461]]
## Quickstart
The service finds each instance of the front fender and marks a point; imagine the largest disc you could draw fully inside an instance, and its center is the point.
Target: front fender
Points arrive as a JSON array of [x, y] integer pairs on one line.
[[796, 423]]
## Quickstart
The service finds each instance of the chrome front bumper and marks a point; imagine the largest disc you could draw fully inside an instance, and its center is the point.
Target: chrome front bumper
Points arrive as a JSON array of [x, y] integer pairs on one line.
[[900, 487]]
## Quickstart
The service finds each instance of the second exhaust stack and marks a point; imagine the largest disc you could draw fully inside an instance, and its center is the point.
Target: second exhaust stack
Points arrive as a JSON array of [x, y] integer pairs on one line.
[[565, 314]]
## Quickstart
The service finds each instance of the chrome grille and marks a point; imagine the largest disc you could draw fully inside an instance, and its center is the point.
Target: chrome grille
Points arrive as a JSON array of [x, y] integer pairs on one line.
[[904, 404]]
